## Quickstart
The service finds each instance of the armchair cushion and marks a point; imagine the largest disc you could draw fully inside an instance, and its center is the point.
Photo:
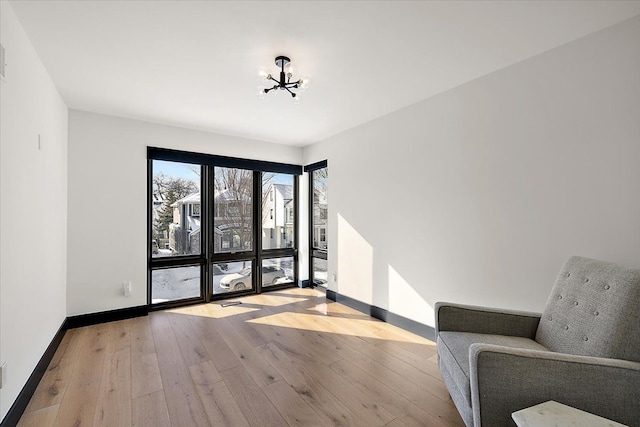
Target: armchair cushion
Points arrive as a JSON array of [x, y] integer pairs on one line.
[[453, 351], [593, 310]]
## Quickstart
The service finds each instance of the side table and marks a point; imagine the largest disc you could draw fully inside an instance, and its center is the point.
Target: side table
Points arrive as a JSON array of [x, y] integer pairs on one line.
[[552, 414]]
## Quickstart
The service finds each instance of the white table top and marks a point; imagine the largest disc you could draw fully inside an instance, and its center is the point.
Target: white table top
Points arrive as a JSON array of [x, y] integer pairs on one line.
[[554, 414]]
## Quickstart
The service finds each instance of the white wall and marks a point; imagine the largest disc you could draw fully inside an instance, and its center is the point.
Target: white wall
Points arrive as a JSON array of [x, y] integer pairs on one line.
[[108, 201], [479, 194], [33, 207]]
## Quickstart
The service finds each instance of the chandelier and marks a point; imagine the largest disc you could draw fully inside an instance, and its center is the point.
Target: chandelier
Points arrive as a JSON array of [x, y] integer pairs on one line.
[[284, 82]]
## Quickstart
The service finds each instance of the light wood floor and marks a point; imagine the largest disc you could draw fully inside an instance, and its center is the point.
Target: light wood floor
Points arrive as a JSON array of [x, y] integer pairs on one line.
[[279, 359]]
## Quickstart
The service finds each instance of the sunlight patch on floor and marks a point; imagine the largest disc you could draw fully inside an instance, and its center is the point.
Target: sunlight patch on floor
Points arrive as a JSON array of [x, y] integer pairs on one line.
[[275, 300], [332, 325], [214, 311], [337, 309]]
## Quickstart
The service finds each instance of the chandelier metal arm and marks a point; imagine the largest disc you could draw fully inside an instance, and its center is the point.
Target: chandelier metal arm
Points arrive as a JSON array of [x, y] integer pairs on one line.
[[284, 82]]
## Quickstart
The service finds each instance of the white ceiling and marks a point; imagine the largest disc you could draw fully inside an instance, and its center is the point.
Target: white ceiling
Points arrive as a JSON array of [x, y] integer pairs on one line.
[[194, 63]]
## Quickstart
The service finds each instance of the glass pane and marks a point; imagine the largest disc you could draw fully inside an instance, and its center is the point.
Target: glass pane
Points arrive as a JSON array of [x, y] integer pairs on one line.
[[277, 211], [319, 271], [276, 271], [320, 179], [232, 276], [233, 219], [176, 209], [169, 284]]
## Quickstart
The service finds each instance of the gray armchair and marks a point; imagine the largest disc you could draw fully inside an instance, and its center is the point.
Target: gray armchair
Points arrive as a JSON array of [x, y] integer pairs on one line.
[[583, 351]]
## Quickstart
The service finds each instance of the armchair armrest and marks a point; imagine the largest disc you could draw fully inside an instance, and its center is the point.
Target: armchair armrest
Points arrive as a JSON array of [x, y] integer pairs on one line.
[[482, 320], [505, 380]]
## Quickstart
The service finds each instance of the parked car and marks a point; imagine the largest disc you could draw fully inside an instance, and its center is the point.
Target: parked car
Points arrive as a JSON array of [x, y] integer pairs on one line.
[[154, 247], [242, 280]]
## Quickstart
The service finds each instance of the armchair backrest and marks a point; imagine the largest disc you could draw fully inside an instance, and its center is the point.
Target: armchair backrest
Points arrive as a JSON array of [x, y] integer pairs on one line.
[[593, 310]]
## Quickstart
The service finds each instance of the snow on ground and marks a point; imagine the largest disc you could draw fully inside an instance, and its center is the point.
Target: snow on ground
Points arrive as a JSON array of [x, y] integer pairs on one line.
[[175, 283]]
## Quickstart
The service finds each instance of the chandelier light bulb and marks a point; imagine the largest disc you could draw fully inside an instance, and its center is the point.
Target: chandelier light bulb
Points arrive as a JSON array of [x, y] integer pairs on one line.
[[262, 75], [302, 85]]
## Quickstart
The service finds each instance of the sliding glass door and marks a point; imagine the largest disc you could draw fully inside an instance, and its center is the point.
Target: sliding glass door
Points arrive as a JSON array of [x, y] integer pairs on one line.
[[219, 226]]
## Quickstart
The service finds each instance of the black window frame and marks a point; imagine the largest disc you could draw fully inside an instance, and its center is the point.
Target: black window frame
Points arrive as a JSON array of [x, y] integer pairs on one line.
[[207, 256], [315, 252]]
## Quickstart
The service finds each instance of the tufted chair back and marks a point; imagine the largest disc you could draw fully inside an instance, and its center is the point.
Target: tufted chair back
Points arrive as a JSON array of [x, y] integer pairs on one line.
[[593, 310]]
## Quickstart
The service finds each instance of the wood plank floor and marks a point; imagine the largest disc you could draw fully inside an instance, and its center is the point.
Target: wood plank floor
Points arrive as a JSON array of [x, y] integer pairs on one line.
[[287, 358]]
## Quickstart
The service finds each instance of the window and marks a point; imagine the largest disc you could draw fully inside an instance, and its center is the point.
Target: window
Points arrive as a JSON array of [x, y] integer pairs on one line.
[[233, 191], [277, 271], [175, 228], [170, 284], [207, 226], [175, 232], [319, 269], [318, 222], [232, 276], [278, 213]]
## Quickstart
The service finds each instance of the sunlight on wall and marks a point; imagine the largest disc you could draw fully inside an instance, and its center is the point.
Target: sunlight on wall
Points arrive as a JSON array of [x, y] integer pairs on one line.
[[404, 300], [355, 263]]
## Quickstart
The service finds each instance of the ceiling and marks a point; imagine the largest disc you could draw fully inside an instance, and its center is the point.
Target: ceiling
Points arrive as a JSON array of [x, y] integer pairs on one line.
[[194, 63]]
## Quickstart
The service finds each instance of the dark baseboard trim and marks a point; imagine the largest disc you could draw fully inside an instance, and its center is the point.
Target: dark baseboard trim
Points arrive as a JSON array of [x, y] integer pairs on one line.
[[20, 404], [425, 331], [303, 284], [106, 316], [379, 313], [412, 326]]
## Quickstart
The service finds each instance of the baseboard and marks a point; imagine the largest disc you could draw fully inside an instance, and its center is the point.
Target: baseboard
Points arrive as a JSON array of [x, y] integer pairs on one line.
[[303, 284], [106, 316], [20, 404], [412, 326]]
